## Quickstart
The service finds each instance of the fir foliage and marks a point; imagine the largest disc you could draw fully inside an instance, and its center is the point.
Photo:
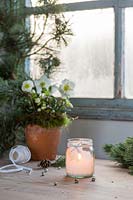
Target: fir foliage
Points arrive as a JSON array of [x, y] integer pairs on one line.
[[8, 113], [60, 162], [122, 153], [17, 43]]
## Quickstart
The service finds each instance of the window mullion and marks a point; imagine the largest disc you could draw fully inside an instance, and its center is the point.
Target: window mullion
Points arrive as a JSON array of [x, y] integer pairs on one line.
[[119, 52], [89, 5], [127, 3]]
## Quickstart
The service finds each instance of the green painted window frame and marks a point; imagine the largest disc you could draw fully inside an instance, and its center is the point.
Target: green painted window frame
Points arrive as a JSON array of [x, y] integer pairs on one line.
[[118, 108]]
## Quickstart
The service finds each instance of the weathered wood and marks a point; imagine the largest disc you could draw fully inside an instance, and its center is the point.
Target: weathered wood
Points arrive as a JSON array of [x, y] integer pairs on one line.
[[111, 183], [89, 5], [127, 3], [108, 109]]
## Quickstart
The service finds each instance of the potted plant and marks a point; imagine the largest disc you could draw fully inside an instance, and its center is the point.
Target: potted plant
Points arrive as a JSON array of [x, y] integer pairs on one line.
[[43, 107], [21, 38]]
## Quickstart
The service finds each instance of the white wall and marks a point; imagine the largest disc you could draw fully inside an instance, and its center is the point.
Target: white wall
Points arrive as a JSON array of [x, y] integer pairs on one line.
[[102, 132]]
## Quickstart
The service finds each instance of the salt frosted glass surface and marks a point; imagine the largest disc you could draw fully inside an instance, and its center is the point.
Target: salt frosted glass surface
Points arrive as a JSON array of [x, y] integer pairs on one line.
[[88, 60], [129, 53], [33, 3], [36, 28]]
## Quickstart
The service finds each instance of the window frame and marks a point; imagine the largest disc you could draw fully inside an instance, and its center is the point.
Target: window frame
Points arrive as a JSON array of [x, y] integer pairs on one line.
[[118, 108]]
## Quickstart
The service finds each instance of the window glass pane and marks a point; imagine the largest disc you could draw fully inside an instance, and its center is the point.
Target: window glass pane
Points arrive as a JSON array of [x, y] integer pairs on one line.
[[36, 28], [41, 33], [88, 60], [129, 53], [33, 3]]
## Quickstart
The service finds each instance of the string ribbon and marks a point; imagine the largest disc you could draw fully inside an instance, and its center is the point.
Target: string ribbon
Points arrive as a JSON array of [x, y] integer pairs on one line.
[[18, 154]]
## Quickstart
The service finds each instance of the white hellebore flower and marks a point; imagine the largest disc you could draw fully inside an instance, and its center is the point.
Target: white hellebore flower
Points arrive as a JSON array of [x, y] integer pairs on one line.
[[55, 91], [37, 100], [43, 106], [27, 86], [69, 105], [43, 82], [39, 109], [66, 88]]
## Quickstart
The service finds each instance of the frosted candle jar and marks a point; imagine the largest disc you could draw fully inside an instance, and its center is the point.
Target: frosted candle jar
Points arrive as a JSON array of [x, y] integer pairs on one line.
[[79, 158]]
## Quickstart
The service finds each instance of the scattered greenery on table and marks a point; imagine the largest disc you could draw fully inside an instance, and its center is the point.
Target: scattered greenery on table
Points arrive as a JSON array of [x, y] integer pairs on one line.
[[122, 153], [60, 162]]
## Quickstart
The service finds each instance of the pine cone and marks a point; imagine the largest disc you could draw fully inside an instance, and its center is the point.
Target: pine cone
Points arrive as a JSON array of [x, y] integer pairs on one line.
[[44, 164]]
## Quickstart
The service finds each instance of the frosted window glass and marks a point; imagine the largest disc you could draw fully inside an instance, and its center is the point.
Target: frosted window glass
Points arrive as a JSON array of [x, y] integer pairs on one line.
[[33, 3], [129, 53], [88, 60], [36, 28]]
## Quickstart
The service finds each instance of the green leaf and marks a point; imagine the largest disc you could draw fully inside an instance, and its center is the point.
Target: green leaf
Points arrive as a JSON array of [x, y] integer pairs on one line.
[[60, 162]]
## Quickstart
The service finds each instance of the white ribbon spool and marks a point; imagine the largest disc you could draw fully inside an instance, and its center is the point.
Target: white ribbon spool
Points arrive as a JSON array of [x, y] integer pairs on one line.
[[18, 154]]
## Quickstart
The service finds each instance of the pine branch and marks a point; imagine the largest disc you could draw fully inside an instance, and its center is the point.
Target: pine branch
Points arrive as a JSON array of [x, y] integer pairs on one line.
[[122, 153]]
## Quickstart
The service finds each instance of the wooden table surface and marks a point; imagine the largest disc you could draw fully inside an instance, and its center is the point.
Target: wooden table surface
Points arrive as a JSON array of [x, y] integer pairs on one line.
[[111, 183]]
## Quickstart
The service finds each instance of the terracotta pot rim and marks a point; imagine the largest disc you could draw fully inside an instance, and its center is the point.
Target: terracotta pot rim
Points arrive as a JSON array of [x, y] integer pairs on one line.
[[36, 125]]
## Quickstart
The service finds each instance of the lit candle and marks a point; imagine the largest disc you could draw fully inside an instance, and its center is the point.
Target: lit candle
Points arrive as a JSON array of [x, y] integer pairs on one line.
[[79, 158]]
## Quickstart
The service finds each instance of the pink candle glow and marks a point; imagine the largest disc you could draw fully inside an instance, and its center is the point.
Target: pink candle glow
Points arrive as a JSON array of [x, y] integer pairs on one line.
[[79, 158]]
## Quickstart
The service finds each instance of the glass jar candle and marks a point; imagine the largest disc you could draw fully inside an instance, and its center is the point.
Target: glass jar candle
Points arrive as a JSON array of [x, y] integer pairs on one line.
[[79, 158]]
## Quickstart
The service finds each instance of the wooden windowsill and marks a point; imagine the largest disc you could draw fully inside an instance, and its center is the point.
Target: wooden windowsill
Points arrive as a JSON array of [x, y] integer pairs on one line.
[[111, 183]]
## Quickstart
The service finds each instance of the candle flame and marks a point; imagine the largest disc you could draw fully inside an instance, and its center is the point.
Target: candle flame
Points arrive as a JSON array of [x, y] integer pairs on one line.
[[79, 156]]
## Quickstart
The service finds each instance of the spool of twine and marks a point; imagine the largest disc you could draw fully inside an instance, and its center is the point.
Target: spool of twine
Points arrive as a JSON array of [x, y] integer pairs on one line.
[[18, 154]]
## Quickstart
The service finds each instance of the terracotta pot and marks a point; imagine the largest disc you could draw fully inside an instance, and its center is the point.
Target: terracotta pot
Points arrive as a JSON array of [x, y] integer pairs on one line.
[[43, 143]]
